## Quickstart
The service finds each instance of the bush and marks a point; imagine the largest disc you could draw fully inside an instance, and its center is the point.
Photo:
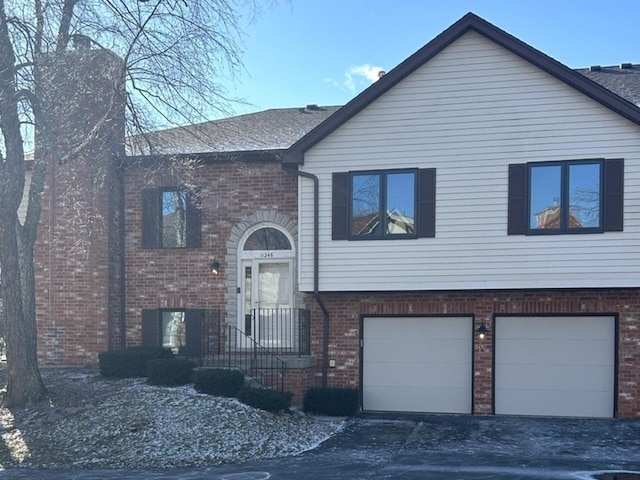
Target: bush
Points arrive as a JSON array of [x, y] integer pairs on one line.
[[169, 372], [339, 402], [218, 381], [264, 399], [130, 362]]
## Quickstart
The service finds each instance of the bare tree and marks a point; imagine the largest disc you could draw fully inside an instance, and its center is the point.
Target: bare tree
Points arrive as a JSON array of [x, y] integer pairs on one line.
[[171, 52]]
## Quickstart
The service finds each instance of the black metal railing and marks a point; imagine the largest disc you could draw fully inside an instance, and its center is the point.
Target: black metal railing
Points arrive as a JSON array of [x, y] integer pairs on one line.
[[254, 349], [243, 353], [284, 331]]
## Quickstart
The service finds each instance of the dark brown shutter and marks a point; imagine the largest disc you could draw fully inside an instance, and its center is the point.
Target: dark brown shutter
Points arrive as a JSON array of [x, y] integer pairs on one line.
[[517, 203], [427, 202], [194, 223], [150, 218], [613, 195], [340, 207], [150, 328], [193, 333]]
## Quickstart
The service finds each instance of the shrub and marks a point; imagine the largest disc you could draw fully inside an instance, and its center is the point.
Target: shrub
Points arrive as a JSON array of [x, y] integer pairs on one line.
[[130, 362], [170, 372], [218, 381], [340, 402], [264, 399]]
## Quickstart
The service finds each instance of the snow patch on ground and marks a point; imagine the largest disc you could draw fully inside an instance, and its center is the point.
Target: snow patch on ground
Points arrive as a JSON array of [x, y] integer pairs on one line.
[[130, 424]]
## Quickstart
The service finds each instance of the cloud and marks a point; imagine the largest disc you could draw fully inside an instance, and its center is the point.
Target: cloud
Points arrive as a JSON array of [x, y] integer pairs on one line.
[[358, 77]]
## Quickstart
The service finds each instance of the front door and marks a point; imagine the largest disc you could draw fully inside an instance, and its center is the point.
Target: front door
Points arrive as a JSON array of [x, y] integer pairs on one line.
[[266, 288]]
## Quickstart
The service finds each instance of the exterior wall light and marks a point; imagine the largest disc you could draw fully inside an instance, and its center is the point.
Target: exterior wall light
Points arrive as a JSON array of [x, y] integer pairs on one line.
[[215, 266], [482, 331]]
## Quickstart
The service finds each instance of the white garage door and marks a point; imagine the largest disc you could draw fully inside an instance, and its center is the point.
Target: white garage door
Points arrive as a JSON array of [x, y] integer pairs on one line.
[[555, 366], [415, 364]]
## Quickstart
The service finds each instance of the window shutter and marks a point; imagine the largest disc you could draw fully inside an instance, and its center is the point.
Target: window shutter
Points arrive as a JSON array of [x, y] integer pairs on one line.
[[613, 195], [340, 207], [150, 328], [193, 333], [517, 203], [427, 202], [150, 218], [194, 224]]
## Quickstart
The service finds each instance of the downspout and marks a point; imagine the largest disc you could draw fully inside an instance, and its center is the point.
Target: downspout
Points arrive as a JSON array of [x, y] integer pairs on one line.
[[316, 275], [122, 259]]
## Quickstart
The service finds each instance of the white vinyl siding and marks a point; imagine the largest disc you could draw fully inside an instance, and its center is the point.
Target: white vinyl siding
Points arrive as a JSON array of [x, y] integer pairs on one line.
[[469, 112], [555, 366], [417, 364]]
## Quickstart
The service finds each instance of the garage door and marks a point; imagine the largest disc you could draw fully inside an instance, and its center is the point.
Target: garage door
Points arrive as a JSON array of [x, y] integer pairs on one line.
[[555, 366], [415, 364]]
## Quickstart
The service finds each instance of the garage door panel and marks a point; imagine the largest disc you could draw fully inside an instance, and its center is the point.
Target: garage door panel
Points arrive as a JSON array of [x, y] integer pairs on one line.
[[558, 352], [417, 351], [512, 402], [428, 376], [557, 366], [416, 399], [579, 327], [563, 377], [417, 364]]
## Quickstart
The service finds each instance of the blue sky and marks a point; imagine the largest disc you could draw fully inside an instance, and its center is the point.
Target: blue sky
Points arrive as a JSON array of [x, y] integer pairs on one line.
[[322, 51]]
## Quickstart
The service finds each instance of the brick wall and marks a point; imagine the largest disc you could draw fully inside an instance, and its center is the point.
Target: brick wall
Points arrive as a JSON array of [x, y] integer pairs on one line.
[[346, 311], [181, 278]]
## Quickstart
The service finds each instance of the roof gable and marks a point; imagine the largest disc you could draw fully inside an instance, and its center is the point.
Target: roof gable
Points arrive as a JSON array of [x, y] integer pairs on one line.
[[470, 22]]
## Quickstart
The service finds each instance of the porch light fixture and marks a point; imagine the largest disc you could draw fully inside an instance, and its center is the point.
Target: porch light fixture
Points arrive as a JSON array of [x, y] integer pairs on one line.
[[482, 331], [215, 266]]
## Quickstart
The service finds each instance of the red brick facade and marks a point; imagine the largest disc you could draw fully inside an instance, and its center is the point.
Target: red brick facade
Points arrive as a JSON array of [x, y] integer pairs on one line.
[[181, 278], [346, 311]]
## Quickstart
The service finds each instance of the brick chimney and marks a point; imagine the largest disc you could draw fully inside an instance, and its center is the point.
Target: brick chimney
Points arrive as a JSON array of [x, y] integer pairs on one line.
[[80, 135]]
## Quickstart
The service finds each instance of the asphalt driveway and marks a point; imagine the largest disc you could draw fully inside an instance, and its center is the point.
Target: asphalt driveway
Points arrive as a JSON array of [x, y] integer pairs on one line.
[[432, 447]]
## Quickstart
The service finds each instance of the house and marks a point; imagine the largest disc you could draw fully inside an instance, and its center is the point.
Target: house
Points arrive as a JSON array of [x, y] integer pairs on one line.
[[369, 246]]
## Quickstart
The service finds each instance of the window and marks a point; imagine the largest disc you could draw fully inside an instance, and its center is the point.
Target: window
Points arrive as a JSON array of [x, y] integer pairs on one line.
[[172, 330], [177, 329], [170, 219], [386, 204], [565, 197]]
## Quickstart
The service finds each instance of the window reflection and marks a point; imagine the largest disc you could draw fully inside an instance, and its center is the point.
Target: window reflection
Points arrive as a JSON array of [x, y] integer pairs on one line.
[[565, 196], [365, 206], [546, 196], [401, 203], [173, 330], [174, 218], [267, 239], [584, 195], [383, 204]]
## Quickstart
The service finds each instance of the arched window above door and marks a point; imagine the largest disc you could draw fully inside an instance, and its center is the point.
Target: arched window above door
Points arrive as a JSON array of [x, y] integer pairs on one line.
[[267, 238]]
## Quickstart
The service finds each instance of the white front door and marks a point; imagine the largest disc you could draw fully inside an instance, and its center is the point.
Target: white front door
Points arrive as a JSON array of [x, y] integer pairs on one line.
[[268, 298]]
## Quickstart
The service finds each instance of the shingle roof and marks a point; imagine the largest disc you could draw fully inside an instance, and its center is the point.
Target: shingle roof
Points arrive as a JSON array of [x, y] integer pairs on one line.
[[275, 129], [623, 80]]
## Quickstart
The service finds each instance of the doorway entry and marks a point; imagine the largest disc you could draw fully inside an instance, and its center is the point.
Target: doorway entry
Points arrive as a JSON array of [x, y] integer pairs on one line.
[[265, 296]]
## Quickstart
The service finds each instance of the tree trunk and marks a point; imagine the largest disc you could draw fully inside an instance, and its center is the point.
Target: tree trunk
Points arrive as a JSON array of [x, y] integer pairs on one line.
[[24, 381]]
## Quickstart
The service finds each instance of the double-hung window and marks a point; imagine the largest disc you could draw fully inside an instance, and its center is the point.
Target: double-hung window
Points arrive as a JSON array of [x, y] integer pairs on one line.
[[578, 196], [170, 219], [383, 204]]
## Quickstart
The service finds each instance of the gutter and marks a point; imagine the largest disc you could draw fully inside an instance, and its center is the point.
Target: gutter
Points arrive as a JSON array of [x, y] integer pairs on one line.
[[316, 276]]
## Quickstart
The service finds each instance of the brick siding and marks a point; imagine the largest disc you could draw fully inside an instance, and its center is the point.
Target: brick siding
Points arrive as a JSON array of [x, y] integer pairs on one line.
[[346, 311]]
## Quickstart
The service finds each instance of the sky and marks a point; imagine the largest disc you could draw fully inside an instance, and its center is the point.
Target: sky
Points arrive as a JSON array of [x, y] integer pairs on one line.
[[325, 52]]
